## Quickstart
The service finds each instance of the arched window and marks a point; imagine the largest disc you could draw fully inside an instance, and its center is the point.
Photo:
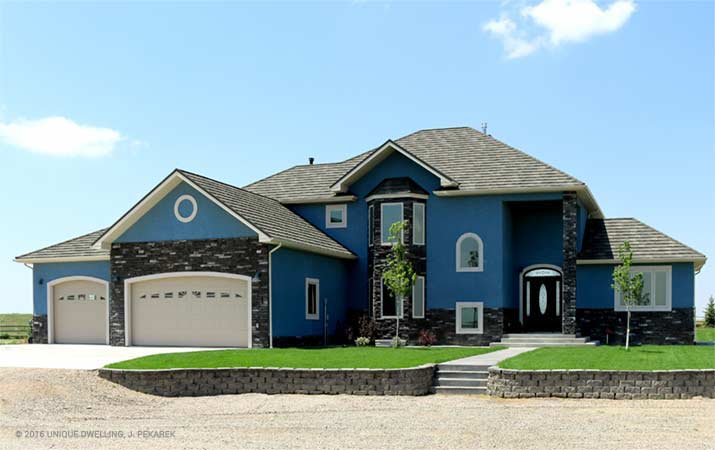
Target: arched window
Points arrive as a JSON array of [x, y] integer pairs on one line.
[[470, 253]]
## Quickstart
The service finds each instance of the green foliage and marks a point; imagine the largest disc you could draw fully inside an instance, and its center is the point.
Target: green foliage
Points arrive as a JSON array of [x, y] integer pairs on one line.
[[710, 313], [396, 342], [362, 341], [399, 275], [630, 286]]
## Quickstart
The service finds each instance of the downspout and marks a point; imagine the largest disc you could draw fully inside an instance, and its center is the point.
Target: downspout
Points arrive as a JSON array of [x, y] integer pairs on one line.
[[270, 295]]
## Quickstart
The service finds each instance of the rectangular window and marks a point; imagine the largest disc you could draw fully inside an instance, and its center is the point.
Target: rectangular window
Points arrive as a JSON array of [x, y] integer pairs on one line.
[[418, 298], [657, 289], [390, 213], [371, 225], [370, 303], [418, 223], [336, 216], [470, 317], [312, 299], [391, 306]]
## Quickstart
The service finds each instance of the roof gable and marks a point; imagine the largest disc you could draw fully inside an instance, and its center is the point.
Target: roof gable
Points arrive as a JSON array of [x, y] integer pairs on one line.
[[376, 157], [271, 221]]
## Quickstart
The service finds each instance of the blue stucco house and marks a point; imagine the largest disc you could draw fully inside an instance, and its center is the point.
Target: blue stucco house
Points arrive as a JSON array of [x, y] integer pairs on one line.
[[502, 242]]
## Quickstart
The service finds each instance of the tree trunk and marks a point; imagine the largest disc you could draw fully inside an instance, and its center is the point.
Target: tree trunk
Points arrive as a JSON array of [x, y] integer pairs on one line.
[[628, 327]]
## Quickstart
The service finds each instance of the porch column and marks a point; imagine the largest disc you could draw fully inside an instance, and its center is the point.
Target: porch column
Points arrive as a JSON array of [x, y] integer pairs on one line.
[[569, 214]]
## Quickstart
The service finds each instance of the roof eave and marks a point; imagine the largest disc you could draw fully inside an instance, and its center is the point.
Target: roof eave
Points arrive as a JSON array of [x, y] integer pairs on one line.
[[319, 200], [377, 156], [311, 248], [60, 259], [581, 190]]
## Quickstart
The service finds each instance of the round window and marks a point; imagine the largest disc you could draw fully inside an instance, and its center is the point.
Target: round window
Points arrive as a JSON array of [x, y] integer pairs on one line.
[[185, 208]]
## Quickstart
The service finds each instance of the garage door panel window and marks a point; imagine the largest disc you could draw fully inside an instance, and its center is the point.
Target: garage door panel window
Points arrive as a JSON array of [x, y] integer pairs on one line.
[[312, 299]]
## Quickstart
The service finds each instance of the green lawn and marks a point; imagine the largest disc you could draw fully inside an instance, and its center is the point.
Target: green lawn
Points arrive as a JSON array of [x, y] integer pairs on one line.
[[647, 357], [15, 319], [705, 334], [328, 358]]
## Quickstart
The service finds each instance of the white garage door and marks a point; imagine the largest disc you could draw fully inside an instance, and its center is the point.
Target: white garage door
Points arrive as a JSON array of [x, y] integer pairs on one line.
[[80, 312], [205, 311]]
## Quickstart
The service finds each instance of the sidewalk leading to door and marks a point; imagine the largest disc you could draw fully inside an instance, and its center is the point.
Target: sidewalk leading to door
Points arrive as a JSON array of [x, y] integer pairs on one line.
[[487, 359]]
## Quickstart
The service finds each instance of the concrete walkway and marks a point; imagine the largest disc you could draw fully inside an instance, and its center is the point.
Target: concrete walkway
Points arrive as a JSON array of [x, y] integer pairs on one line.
[[488, 359], [76, 356]]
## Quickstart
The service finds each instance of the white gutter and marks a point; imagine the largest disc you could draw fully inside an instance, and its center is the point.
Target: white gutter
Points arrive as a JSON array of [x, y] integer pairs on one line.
[[61, 259], [270, 295]]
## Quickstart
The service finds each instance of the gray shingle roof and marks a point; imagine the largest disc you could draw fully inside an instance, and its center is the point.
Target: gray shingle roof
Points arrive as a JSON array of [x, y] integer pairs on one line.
[[474, 160], [603, 237], [268, 215], [77, 247]]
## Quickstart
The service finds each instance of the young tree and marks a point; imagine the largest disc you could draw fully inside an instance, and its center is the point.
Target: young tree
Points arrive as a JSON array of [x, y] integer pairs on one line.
[[710, 313], [399, 275], [630, 286]]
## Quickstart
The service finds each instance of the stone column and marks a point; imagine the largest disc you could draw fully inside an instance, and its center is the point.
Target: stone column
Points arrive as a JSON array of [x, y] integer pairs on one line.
[[569, 214]]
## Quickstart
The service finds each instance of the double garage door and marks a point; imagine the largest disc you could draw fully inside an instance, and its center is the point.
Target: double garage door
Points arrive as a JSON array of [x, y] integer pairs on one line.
[[206, 311], [163, 310]]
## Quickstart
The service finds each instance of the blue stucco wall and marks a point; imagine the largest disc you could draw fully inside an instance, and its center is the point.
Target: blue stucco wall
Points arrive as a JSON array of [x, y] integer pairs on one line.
[[581, 218], [160, 224], [52, 271], [290, 269], [593, 286]]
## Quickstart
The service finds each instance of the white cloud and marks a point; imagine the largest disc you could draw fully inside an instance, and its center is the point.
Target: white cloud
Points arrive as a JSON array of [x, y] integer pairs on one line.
[[59, 136], [553, 22]]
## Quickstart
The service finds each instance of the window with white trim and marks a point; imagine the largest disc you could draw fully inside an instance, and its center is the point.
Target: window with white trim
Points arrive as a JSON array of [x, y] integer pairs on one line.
[[657, 289], [418, 223], [418, 298], [312, 299], [470, 317], [390, 213], [470, 253], [390, 305], [371, 224], [336, 216]]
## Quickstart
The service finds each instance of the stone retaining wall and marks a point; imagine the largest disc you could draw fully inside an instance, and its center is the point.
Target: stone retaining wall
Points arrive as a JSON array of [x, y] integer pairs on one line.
[[611, 384], [201, 382]]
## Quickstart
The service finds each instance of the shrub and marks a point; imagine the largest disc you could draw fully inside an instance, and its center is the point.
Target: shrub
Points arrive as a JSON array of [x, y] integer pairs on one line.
[[396, 342], [362, 341], [710, 313], [427, 338]]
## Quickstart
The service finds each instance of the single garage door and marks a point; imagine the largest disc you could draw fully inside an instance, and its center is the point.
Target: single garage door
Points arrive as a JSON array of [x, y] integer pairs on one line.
[[80, 312], [204, 311]]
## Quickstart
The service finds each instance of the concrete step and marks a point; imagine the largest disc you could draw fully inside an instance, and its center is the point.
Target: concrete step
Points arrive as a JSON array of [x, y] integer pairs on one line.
[[387, 342], [540, 335], [545, 344], [462, 367], [516, 340], [460, 390], [460, 382], [462, 375]]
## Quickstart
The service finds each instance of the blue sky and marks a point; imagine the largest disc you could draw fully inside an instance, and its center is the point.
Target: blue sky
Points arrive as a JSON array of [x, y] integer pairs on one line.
[[620, 96]]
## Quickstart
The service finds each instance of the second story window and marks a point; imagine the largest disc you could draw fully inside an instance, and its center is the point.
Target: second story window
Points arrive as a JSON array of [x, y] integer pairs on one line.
[[336, 216], [390, 213], [470, 253], [418, 224]]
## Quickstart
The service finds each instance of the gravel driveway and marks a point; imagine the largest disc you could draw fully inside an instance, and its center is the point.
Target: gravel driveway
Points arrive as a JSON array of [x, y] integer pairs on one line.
[[68, 402]]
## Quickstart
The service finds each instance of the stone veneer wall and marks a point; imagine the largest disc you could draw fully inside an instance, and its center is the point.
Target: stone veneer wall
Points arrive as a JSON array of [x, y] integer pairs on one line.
[[652, 327], [243, 256], [200, 382], [662, 384], [39, 329], [570, 249]]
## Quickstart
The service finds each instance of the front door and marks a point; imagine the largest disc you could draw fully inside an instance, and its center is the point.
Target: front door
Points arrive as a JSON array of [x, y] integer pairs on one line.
[[541, 306]]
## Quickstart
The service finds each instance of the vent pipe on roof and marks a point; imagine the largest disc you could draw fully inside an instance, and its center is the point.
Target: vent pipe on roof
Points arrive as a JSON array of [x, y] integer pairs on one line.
[[484, 127], [311, 160]]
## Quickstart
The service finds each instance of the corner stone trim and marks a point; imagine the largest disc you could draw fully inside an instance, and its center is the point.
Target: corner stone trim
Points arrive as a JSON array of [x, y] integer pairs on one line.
[[203, 382], [611, 384]]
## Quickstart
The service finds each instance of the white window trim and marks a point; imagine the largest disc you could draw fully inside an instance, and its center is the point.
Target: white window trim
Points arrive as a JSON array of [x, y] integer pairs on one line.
[[330, 208], [382, 303], [458, 259], [414, 221], [316, 283], [480, 306], [194, 208], [424, 300], [371, 224], [402, 215], [668, 289]]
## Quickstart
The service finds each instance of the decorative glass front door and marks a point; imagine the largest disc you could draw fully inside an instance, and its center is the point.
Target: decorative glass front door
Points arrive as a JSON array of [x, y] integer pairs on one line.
[[541, 307]]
